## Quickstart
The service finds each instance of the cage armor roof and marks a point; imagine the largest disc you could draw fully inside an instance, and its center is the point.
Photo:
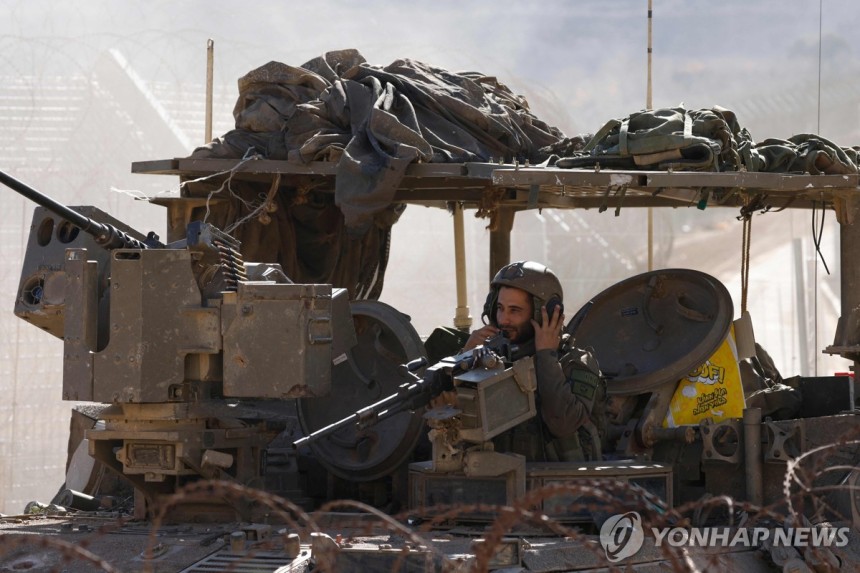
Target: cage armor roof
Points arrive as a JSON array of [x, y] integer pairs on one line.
[[534, 278]]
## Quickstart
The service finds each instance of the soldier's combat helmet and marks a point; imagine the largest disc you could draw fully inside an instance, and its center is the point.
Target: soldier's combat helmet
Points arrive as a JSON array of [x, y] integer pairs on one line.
[[534, 278]]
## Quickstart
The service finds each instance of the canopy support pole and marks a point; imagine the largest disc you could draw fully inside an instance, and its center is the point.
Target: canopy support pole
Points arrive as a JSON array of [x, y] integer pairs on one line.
[[462, 317]]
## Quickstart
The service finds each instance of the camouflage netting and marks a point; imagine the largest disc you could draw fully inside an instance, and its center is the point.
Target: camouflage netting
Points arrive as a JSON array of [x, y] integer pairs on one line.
[[373, 121], [702, 140]]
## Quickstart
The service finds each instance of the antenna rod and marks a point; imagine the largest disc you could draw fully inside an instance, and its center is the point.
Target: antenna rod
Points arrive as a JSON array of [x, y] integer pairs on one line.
[[648, 105], [210, 67], [648, 102]]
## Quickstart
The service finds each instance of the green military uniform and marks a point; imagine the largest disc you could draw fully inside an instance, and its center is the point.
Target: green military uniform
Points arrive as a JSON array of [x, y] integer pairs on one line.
[[570, 400]]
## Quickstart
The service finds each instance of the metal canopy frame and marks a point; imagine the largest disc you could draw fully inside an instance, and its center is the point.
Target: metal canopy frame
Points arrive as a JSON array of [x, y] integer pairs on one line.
[[523, 187], [504, 189]]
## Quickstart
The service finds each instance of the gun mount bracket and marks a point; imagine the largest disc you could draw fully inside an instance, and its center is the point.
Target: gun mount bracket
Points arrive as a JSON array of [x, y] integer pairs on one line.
[[721, 442], [784, 441]]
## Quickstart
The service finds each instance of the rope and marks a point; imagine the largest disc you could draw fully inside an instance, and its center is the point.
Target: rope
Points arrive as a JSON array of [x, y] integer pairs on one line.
[[816, 240], [817, 231]]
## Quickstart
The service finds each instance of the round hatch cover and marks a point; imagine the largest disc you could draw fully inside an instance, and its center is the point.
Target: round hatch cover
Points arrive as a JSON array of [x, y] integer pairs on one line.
[[386, 339], [655, 328]]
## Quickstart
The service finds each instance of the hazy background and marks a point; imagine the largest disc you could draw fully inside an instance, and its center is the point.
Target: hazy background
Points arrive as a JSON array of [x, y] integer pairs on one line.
[[88, 87]]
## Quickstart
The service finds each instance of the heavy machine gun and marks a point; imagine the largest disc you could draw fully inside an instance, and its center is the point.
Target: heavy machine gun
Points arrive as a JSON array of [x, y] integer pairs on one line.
[[151, 322], [419, 391], [174, 337]]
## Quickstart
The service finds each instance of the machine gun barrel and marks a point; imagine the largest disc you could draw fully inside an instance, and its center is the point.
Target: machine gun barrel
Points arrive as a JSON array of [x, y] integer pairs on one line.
[[104, 234], [418, 392], [409, 396]]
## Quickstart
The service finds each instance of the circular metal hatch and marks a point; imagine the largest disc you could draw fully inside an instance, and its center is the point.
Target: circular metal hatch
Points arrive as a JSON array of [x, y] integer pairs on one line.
[[655, 328], [386, 339]]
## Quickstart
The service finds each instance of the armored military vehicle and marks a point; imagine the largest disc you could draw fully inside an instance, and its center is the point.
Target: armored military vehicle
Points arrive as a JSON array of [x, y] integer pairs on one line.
[[238, 387]]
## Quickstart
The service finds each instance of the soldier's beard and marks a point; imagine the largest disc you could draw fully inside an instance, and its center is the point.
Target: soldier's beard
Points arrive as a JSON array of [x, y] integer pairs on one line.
[[518, 333]]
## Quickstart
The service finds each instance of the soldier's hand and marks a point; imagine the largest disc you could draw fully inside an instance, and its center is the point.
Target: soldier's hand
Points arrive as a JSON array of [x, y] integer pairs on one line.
[[548, 332], [479, 336]]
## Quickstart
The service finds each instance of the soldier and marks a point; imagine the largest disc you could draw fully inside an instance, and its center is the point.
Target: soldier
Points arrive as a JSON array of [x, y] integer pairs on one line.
[[570, 392]]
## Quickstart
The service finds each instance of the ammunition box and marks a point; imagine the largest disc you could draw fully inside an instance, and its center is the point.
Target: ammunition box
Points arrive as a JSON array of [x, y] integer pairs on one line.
[[495, 401], [277, 340]]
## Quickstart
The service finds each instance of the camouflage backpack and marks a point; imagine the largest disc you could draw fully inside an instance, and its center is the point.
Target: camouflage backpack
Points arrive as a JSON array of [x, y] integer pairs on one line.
[[705, 140]]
